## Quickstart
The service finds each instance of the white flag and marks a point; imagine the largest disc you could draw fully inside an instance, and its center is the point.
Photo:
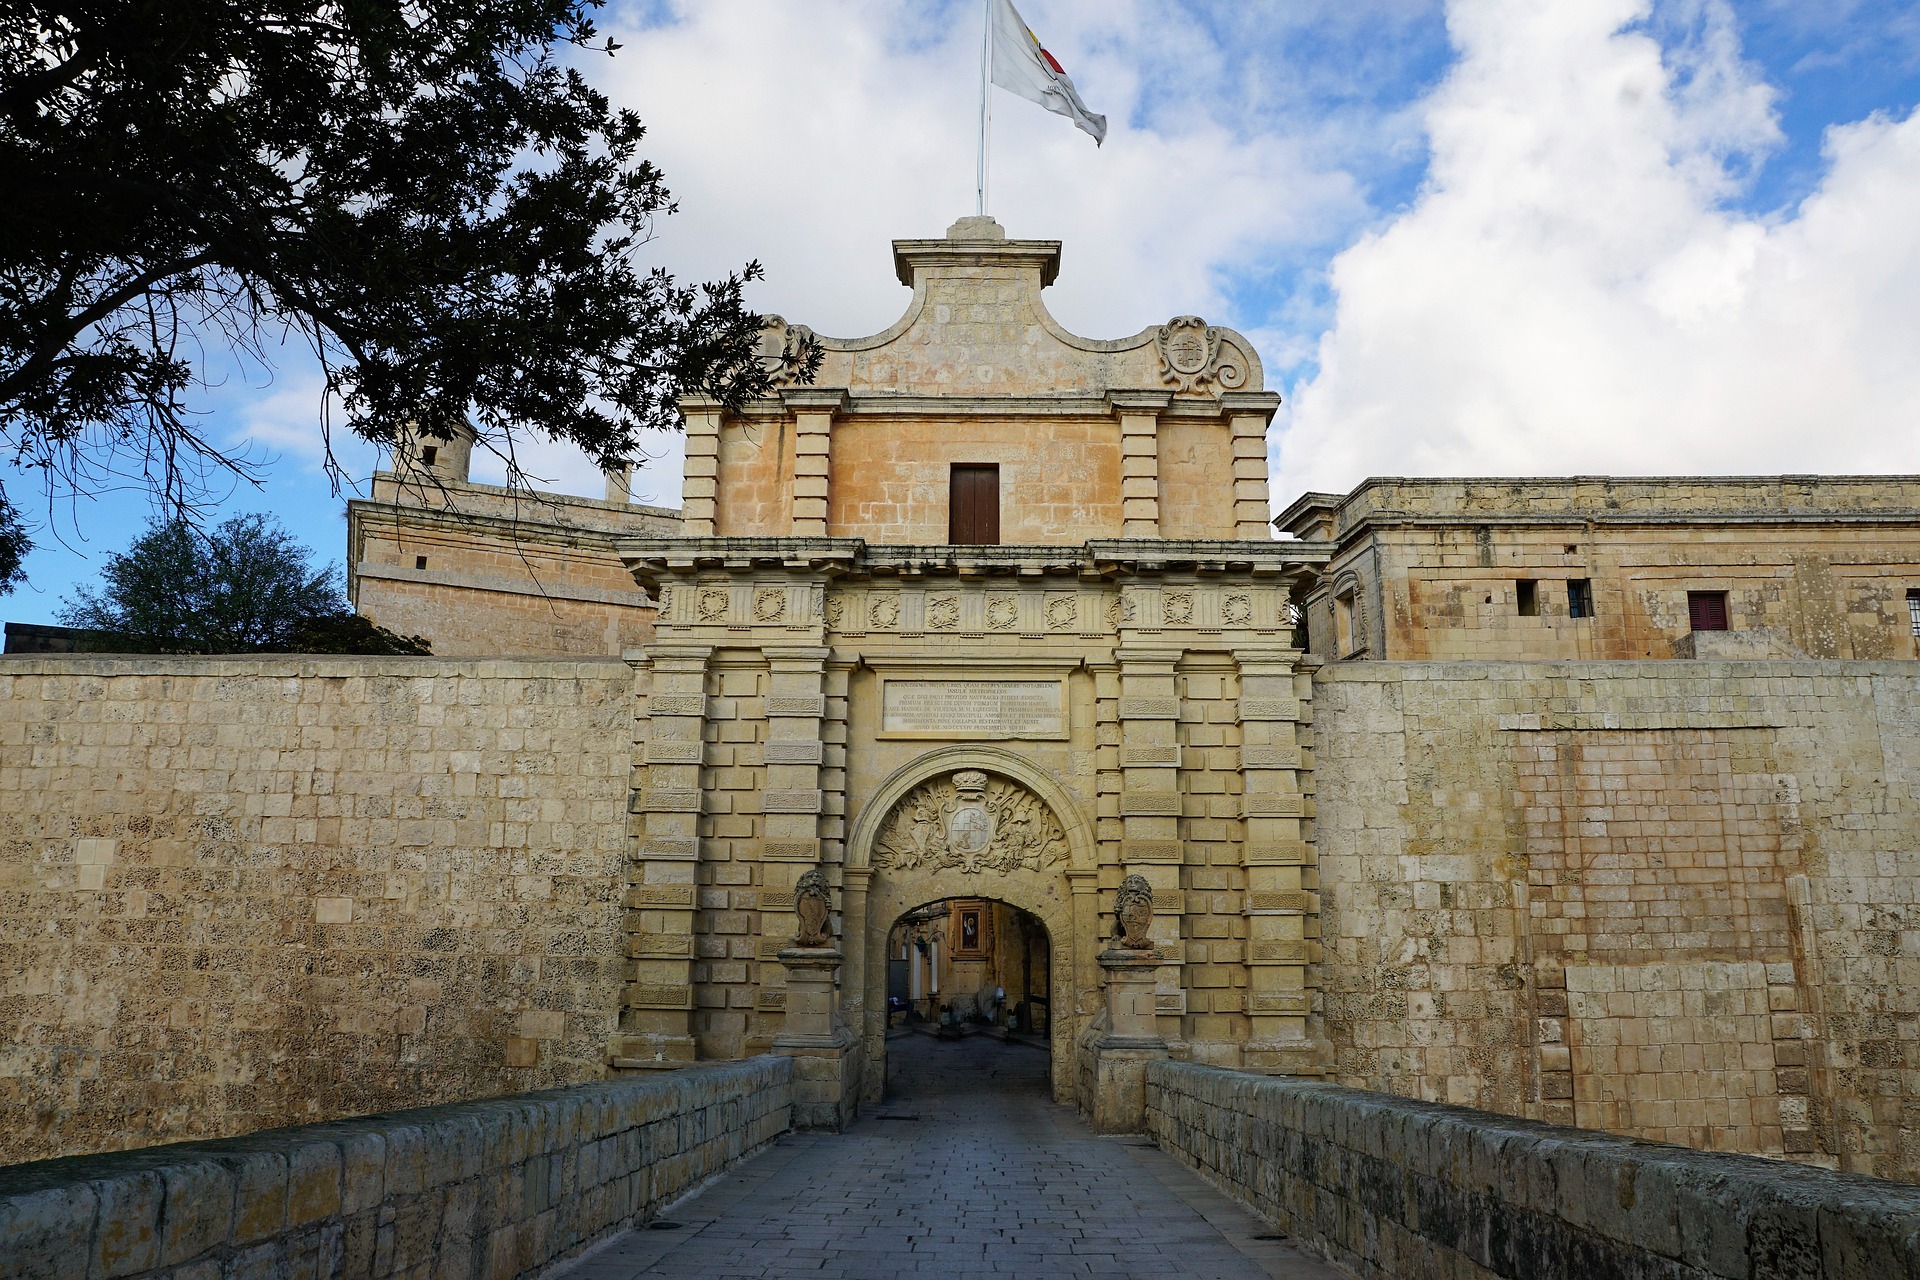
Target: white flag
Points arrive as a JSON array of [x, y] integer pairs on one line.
[[1022, 66]]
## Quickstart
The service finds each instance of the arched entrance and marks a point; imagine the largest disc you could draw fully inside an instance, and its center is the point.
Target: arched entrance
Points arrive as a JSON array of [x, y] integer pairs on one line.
[[979, 824], [963, 963]]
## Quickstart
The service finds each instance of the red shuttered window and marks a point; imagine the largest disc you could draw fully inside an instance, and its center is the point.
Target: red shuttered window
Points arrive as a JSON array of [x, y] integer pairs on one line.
[[973, 511], [1707, 610]]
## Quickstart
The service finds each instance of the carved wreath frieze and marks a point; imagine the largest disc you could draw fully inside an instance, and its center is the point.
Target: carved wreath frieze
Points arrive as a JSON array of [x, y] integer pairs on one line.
[[943, 613], [883, 612], [1195, 357], [1002, 612], [1062, 613], [769, 604], [713, 605], [970, 822]]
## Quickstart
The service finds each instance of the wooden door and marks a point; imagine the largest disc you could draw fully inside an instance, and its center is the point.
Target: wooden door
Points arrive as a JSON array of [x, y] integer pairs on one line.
[[973, 511]]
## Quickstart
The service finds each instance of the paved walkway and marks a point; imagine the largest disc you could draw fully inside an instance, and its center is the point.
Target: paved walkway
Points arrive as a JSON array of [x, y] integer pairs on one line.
[[968, 1169]]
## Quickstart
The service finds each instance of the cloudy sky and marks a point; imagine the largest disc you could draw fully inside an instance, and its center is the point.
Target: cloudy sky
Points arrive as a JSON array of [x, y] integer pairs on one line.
[[1484, 237]]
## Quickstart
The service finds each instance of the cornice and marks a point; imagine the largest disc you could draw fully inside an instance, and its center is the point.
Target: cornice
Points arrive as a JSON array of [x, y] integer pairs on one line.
[[886, 404], [910, 256], [653, 558]]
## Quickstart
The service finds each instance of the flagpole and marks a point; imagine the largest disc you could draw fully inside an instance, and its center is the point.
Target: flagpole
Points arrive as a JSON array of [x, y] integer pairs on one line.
[[986, 116]]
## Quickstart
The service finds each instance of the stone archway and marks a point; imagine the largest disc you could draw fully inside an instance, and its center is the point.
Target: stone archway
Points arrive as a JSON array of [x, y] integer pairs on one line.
[[967, 822]]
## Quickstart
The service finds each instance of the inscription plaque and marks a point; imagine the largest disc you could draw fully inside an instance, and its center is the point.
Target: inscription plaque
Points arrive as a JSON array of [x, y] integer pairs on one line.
[[973, 709]]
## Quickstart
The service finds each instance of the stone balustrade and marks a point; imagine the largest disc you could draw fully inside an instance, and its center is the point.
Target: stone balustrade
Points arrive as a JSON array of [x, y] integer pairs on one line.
[[491, 1189], [1391, 1187]]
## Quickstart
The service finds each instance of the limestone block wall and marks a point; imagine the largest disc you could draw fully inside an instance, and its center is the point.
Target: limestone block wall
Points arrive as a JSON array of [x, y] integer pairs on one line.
[[494, 1189], [1676, 900], [482, 571], [245, 892], [1450, 593], [1392, 1188]]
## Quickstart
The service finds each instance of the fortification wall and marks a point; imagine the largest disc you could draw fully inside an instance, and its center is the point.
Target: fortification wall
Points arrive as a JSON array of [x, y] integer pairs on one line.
[[1389, 1189], [241, 893], [1670, 899], [477, 1191]]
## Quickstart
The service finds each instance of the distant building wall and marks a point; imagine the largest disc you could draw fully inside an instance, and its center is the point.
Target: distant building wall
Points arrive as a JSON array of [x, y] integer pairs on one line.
[[1471, 570], [247, 892], [483, 572], [1679, 900]]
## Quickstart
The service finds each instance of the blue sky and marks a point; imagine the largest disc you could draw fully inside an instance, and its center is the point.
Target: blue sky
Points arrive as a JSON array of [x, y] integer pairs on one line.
[[1483, 237]]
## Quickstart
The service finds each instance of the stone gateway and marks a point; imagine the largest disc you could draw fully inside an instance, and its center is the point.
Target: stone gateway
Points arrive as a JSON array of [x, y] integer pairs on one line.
[[972, 683]]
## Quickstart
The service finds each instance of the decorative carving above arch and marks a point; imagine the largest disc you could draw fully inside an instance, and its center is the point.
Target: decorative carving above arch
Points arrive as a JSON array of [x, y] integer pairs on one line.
[[1000, 765], [970, 822]]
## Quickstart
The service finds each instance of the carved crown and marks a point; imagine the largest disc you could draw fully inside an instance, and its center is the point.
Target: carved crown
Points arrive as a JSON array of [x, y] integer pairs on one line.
[[970, 780]]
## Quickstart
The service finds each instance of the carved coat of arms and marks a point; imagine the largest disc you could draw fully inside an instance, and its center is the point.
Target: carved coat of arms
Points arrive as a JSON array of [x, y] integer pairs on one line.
[[1194, 356], [970, 827], [970, 822]]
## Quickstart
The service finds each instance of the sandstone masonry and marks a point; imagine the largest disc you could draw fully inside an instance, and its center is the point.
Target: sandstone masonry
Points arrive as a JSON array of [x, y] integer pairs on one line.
[[241, 893], [496, 1189]]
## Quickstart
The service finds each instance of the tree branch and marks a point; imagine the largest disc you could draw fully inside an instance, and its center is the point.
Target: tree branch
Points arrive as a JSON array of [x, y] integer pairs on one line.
[[13, 383]]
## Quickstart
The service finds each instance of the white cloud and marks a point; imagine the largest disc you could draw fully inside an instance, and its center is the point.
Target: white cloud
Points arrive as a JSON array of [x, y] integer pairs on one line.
[[810, 135], [1570, 293]]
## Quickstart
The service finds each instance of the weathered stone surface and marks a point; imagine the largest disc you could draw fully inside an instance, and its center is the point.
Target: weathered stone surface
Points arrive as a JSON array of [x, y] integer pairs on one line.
[[1433, 570], [1668, 899], [486, 1190], [504, 574], [1390, 1187], [463, 821]]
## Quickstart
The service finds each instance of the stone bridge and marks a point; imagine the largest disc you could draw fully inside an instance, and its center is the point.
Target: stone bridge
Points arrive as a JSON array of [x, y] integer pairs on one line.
[[967, 1167]]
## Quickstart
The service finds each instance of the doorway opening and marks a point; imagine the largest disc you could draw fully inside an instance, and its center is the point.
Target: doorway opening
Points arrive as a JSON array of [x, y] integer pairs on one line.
[[972, 972]]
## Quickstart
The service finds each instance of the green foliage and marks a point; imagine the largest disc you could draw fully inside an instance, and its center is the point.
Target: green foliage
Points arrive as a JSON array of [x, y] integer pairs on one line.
[[14, 545], [351, 633], [246, 587], [448, 216]]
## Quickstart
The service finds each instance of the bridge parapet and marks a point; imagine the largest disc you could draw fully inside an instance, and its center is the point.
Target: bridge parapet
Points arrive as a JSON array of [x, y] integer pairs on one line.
[[1390, 1187], [491, 1189]]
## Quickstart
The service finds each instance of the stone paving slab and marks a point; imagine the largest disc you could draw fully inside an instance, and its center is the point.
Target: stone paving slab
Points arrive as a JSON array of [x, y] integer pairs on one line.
[[969, 1169]]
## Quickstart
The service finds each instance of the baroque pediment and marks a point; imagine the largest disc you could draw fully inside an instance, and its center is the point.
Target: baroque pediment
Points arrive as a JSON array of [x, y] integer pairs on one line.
[[977, 326]]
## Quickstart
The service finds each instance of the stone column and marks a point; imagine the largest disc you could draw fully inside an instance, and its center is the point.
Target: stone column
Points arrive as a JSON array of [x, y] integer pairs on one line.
[[1070, 1007], [1132, 1039], [813, 409], [826, 1054], [1150, 802], [656, 1029], [1249, 413], [864, 991], [1283, 901], [700, 486], [1139, 413], [790, 802]]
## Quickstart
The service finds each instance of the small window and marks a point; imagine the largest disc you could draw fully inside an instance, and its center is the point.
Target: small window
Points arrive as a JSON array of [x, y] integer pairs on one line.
[[1579, 597], [973, 508], [1526, 594], [1570, 549], [1707, 610], [428, 454], [1913, 608], [1344, 639], [419, 562]]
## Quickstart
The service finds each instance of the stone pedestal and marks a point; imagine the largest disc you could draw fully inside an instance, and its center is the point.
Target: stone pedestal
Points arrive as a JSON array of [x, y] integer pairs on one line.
[[1118, 1097], [826, 1054]]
